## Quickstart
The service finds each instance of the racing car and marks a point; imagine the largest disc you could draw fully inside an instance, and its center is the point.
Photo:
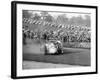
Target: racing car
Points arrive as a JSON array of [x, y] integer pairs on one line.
[[53, 47]]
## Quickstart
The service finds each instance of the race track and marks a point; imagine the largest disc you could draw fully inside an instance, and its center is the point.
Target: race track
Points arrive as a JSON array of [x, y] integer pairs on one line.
[[71, 56], [43, 65]]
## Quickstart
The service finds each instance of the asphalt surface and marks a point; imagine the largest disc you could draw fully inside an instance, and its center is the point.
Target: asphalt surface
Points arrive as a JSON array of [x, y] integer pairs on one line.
[[34, 57], [43, 65], [71, 56]]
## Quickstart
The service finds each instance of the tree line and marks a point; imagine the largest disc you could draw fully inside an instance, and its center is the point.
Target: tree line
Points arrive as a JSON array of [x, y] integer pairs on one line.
[[61, 19]]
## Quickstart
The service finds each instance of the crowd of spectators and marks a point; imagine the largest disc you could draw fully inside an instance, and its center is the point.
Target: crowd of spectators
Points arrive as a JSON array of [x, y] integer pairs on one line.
[[65, 33]]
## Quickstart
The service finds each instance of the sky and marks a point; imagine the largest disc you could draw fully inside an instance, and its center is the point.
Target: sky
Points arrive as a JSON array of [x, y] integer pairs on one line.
[[68, 14]]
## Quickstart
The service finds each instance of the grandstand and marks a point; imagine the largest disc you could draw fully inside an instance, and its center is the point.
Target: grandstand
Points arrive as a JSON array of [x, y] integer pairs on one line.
[[66, 33]]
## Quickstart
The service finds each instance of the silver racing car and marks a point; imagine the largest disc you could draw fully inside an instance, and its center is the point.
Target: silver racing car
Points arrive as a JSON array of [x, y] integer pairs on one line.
[[53, 47]]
